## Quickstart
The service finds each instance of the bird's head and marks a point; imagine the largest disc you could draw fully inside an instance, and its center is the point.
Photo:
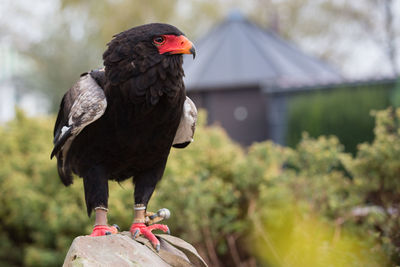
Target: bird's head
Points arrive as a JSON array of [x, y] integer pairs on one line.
[[136, 50], [165, 38], [170, 44]]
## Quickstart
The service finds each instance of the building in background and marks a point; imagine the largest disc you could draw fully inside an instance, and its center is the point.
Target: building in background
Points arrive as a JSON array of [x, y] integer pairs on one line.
[[13, 93], [244, 76]]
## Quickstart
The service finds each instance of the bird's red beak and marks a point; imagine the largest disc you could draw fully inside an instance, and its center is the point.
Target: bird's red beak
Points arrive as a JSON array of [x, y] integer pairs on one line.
[[177, 45]]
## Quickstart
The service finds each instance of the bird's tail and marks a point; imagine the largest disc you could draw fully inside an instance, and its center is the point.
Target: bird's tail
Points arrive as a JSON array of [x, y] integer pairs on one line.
[[64, 170]]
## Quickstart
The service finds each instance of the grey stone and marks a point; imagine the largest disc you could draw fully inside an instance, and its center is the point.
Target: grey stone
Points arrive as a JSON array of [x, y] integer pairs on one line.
[[121, 250]]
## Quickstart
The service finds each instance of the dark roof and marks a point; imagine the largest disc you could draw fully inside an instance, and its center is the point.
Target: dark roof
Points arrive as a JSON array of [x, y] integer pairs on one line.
[[239, 53]]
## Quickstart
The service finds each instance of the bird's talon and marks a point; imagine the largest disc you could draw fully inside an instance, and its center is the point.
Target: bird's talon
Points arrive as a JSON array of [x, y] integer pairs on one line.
[[117, 227], [141, 228], [100, 230], [136, 233]]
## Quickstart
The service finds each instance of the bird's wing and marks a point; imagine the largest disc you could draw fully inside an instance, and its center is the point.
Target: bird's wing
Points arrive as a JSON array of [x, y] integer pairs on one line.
[[187, 125], [83, 104]]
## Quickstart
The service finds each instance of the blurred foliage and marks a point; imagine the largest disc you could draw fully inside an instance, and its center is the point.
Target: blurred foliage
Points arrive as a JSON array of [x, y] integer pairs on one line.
[[395, 97], [334, 112], [312, 205], [40, 218], [305, 240]]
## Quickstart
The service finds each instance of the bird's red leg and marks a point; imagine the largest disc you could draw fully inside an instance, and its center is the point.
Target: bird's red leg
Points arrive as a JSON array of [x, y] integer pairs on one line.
[[140, 228], [101, 227]]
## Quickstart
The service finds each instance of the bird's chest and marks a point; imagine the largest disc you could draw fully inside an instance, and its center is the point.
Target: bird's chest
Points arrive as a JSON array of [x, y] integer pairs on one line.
[[143, 133]]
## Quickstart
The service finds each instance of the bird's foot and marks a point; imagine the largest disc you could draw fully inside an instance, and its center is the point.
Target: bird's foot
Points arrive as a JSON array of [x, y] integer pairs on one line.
[[141, 229], [100, 230]]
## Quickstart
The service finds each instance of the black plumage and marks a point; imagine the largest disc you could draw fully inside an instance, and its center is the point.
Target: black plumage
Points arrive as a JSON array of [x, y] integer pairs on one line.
[[121, 121]]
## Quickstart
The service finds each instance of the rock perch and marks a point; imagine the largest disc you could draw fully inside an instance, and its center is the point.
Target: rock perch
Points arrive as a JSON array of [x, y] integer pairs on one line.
[[121, 250]]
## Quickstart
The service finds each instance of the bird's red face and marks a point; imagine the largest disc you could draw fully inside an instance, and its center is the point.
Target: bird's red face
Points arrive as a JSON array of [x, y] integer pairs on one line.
[[173, 44]]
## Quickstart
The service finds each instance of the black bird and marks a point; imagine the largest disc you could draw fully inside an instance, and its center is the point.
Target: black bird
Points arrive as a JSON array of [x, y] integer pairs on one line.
[[120, 122]]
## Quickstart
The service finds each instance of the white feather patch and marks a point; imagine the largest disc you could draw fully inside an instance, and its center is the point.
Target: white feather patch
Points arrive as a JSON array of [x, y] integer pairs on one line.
[[187, 124], [63, 131]]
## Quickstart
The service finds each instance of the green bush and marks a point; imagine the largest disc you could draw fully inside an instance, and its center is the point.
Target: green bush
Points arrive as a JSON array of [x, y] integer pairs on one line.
[[344, 112], [39, 217], [376, 171], [273, 205]]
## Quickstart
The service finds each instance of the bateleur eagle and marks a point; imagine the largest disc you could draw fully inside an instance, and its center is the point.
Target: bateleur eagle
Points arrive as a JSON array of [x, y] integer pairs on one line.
[[121, 121]]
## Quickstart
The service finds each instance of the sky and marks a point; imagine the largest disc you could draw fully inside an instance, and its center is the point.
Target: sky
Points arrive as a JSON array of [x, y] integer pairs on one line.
[[361, 45]]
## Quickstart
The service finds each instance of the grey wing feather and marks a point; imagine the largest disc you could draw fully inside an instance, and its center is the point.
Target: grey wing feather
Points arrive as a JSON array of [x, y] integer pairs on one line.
[[83, 104], [89, 105], [187, 126]]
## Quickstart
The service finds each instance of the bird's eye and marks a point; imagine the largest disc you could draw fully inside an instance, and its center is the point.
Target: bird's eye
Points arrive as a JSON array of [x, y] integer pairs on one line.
[[159, 40]]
